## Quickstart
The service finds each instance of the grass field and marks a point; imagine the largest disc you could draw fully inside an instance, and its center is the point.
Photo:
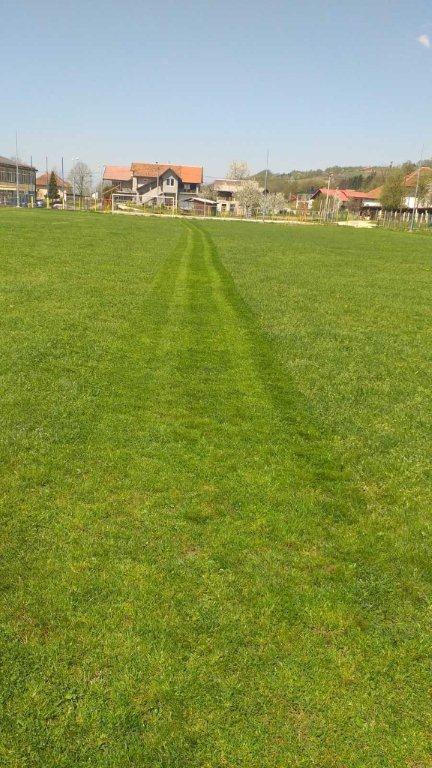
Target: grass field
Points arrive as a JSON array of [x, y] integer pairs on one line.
[[216, 494]]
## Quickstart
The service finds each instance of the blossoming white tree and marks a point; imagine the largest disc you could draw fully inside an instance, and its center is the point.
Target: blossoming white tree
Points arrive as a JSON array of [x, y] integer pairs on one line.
[[249, 197]]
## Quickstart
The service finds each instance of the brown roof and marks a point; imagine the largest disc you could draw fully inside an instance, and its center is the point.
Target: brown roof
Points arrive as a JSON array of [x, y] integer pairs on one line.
[[43, 181], [375, 193], [117, 173], [187, 173]]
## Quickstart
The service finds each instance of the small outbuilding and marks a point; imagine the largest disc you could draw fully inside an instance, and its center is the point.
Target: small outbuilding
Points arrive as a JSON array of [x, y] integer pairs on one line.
[[202, 206]]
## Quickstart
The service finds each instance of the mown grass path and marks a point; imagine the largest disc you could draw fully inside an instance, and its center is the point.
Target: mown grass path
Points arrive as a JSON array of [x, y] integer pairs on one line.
[[184, 580]]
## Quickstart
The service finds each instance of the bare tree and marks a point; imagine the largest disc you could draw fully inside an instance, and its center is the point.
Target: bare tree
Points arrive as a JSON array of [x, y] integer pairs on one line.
[[238, 170], [208, 192], [81, 179], [249, 197]]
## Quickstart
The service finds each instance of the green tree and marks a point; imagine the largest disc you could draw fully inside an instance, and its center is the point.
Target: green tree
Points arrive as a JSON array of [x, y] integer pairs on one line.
[[408, 167], [53, 191], [424, 187], [393, 190], [355, 182]]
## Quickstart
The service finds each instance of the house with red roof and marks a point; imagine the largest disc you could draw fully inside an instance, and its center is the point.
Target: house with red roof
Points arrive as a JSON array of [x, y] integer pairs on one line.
[[118, 178], [420, 180], [42, 184], [155, 183], [165, 184], [348, 199]]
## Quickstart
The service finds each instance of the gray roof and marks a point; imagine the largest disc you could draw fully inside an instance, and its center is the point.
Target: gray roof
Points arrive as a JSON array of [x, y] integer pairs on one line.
[[9, 161], [201, 200]]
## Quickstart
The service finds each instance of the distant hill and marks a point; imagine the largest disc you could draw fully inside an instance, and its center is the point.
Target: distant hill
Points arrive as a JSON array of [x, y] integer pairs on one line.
[[344, 177]]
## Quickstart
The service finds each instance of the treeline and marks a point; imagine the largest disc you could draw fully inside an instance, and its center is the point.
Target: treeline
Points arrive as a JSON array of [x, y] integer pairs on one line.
[[343, 177]]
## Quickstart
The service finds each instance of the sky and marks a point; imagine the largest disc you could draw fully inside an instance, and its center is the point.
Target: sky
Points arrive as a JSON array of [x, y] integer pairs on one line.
[[205, 82]]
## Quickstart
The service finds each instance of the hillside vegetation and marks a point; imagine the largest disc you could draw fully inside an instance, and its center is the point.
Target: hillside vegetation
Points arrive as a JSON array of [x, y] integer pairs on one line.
[[344, 177]]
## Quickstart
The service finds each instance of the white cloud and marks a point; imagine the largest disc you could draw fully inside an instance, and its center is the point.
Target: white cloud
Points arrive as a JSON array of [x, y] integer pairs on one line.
[[424, 40]]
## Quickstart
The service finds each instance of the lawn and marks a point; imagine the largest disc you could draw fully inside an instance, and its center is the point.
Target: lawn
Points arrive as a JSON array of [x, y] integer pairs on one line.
[[216, 494]]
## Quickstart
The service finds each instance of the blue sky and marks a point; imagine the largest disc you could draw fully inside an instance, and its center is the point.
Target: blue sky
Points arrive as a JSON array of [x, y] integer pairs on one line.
[[208, 81]]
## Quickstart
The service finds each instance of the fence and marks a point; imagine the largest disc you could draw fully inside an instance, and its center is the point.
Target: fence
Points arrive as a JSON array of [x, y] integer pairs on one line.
[[404, 220]]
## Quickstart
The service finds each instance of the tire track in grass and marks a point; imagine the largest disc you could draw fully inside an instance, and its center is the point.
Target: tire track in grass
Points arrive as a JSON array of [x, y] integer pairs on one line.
[[252, 560], [288, 414]]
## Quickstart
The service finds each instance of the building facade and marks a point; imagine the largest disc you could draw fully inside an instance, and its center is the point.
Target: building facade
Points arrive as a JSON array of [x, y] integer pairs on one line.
[[161, 184], [8, 182], [352, 200], [153, 184], [42, 184], [203, 206], [118, 178], [225, 192]]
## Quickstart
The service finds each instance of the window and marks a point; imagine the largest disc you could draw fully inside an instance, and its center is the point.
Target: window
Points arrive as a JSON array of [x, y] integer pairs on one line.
[[8, 174]]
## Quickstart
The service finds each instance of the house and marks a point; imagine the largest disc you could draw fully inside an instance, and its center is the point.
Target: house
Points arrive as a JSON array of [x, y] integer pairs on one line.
[[225, 190], [347, 199], [202, 206], [165, 184], [411, 201], [301, 202], [42, 184], [8, 182], [118, 178]]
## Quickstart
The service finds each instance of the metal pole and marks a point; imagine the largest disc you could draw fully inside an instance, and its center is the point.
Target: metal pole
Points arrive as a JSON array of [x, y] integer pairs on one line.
[[265, 180], [415, 200], [46, 168], [63, 182], [73, 182], [17, 170], [327, 197], [416, 190], [34, 190]]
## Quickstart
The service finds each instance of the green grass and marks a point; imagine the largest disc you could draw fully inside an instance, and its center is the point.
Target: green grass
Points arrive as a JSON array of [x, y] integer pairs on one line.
[[216, 497]]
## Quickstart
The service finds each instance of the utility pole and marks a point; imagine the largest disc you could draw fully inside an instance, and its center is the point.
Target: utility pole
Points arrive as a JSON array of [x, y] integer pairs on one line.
[[31, 176], [63, 182], [17, 171], [74, 159], [101, 187], [327, 196], [47, 182], [416, 191], [265, 180], [415, 200]]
